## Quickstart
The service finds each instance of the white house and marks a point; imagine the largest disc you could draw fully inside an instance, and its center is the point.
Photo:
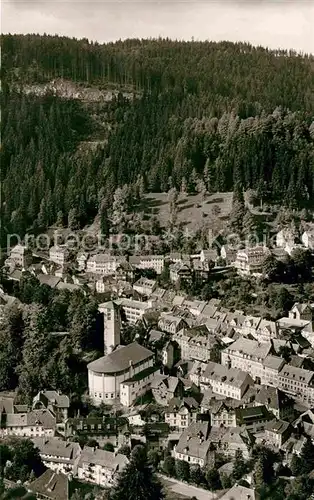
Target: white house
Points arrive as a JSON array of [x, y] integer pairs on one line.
[[35, 423], [103, 264], [155, 262], [21, 256], [229, 382], [145, 286], [59, 254], [60, 456], [307, 239], [194, 445], [81, 260], [247, 355], [100, 467], [170, 323], [180, 413], [137, 386], [133, 310], [250, 260], [297, 382]]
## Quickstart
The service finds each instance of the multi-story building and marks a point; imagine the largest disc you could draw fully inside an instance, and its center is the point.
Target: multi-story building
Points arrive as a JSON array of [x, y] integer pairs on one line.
[[145, 286], [137, 386], [266, 331], [102, 285], [155, 262], [196, 343], [226, 381], [109, 428], [277, 432], [181, 412], [165, 388], [194, 445], [59, 254], [100, 467], [250, 260], [297, 382], [232, 439], [247, 355], [103, 264], [250, 325], [60, 456], [168, 354], [301, 311], [52, 486], [269, 375], [253, 418], [170, 323], [106, 374], [58, 404], [228, 253], [21, 256], [222, 415], [81, 259], [133, 310], [35, 423], [180, 271], [276, 401]]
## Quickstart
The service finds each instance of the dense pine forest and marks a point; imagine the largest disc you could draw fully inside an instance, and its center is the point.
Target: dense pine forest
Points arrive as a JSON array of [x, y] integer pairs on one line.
[[201, 113]]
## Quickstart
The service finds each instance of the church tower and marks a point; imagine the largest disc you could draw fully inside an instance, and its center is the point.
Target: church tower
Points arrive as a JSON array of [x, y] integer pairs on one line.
[[112, 325]]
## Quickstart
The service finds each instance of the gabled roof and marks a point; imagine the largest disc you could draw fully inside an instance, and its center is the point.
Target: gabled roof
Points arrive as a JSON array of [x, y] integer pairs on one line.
[[48, 279], [51, 485], [277, 426], [155, 335], [43, 418], [193, 440], [240, 493], [104, 458], [57, 448], [247, 415], [53, 397], [251, 348], [171, 383], [298, 374], [301, 307], [176, 404], [272, 397], [170, 318], [230, 376]]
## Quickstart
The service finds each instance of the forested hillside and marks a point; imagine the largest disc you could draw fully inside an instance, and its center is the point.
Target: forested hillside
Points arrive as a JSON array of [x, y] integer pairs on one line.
[[213, 113]]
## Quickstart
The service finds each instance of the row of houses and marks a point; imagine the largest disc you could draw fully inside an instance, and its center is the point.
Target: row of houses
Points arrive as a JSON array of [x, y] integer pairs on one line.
[[258, 360]]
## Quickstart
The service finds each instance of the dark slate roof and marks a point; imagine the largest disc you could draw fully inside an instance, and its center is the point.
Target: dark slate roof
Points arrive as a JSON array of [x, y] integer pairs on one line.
[[119, 360], [51, 485]]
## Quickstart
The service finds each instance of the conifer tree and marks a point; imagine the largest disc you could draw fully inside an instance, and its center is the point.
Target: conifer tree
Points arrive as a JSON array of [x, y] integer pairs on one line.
[[137, 481]]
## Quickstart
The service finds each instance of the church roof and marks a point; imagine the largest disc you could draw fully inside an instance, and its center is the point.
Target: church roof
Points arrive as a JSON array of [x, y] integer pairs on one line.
[[119, 360]]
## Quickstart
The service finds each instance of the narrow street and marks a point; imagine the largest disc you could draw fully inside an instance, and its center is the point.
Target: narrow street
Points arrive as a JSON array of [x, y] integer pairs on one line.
[[186, 489]]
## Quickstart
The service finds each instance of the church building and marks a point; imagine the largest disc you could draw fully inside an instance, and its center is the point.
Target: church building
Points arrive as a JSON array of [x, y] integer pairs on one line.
[[131, 365]]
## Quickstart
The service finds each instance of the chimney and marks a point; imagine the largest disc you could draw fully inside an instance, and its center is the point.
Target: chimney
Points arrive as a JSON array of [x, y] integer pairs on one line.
[[131, 367]]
